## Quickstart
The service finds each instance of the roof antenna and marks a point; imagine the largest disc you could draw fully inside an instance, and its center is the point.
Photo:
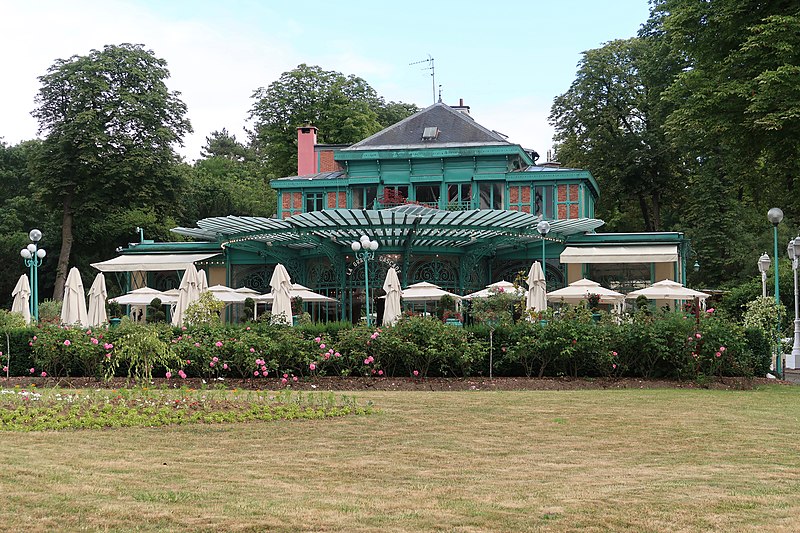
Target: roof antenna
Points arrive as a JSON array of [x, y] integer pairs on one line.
[[430, 67]]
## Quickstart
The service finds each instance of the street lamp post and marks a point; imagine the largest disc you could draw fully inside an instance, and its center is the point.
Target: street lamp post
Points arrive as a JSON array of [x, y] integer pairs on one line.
[[775, 216], [794, 254], [763, 267], [543, 227], [33, 256], [364, 248]]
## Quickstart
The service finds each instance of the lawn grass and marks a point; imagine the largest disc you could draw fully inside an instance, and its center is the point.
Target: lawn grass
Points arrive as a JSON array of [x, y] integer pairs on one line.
[[593, 460]]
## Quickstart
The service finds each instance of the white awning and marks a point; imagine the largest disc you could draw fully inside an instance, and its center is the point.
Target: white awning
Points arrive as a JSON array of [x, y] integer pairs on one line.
[[660, 253], [150, 262]]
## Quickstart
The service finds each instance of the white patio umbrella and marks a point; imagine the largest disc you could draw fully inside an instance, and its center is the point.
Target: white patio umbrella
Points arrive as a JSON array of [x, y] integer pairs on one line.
[[251, 293], [143, 296], [248, 291], [188, 292], [392, 309], [425, 292], [227, 295], [73, 308], [97, 301], [299, 291], [494, 288], [22, 298], [281, 285], [580, 290], [537, 289], [668, 290]]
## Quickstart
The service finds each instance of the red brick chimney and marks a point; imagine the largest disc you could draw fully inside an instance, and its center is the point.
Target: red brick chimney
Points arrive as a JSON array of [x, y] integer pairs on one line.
[[306, 158]]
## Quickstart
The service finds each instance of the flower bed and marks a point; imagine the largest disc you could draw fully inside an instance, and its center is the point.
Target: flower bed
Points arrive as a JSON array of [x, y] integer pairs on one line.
[[59, 409]]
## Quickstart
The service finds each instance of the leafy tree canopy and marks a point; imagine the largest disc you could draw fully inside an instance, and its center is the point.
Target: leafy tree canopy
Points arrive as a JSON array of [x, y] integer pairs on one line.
[[345, 109], [110, 124]]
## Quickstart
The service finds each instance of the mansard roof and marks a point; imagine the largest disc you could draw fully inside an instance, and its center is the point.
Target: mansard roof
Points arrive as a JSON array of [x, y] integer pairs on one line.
[[446, 128]]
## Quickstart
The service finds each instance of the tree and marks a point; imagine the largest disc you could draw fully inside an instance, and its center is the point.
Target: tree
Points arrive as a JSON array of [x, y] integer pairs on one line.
[[345, 109], [736, 119], [110, 125], [611, 122], [223, 144]]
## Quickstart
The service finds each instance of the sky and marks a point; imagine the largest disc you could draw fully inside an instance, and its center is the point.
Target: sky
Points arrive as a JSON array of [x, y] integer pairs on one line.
[[507, 60]]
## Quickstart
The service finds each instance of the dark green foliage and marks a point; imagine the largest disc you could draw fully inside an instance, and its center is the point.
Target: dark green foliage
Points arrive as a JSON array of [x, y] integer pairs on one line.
[[110, 124], [345, 109], [155, 311]]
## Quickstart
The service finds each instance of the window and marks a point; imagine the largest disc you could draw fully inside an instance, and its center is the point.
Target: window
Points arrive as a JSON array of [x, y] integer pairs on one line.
[[314, 201], [543, 201], [394, 195], [459, 196], [568, 202], [428, 194], [364, 197], [491, 195]]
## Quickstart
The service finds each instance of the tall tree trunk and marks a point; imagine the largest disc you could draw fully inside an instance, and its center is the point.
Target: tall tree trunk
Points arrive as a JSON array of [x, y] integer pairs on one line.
[[656, 211], [66, 248], [648, 224]]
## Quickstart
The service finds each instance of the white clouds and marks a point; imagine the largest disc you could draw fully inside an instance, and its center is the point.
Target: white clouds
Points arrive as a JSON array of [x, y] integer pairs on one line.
[[219, 53]]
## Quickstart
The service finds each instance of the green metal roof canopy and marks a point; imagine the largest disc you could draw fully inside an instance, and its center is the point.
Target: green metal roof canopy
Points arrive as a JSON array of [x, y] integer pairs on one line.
[[424, 227]]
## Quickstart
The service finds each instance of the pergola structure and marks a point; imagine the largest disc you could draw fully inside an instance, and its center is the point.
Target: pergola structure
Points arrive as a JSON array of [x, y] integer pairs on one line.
[[315, 246]]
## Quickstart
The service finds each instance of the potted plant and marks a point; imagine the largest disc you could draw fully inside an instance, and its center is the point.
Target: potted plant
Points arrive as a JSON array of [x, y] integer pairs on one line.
[[594, 304], [115, 312]]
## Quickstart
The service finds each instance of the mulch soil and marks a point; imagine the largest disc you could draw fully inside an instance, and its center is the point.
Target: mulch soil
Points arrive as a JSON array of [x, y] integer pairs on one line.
[[403, 384]]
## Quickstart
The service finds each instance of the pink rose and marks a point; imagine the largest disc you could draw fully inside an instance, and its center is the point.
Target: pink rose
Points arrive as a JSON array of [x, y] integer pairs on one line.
[[312, 367], [295, 378], [168, 375], [416, 372], [252, 350], [95, 341], [218, 344], [67, 342], [44, 374]]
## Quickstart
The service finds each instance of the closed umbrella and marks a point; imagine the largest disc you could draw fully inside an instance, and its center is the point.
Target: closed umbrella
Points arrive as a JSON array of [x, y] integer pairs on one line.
[[73, 309], [97, 301], [202, 280], [537, 289], [188, 292], [22, 298], [281, 285], [392, 310]]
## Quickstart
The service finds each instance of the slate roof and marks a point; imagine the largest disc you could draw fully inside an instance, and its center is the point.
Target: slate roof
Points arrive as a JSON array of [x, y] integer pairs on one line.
[[456, 129]]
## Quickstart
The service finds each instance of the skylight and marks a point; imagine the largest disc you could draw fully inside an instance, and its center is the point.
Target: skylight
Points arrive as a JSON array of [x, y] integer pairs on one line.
[[430, 133]]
